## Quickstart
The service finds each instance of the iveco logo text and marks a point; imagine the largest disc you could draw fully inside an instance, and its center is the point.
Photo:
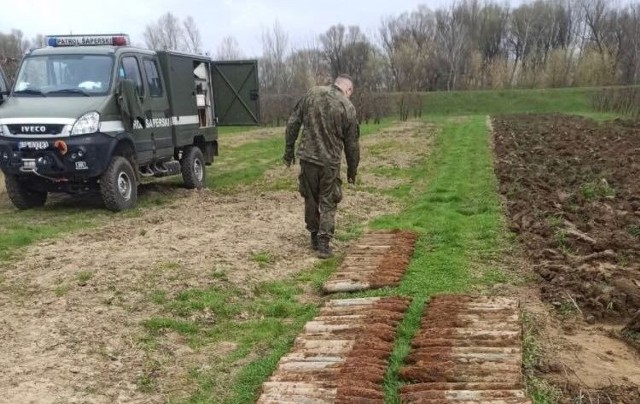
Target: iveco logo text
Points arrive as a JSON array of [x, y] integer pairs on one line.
[[33, 129]]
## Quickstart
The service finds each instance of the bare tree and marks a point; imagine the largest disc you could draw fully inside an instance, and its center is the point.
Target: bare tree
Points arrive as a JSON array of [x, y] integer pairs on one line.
[[38, 41], [12, 48], [229, 49], [627, 30], [521, 32], [347, 50], [595, 16], [275, 75], [333, 44], [165, 34], [409, 42], [571, 34], [192, 38], [452, 41], [308, 67]]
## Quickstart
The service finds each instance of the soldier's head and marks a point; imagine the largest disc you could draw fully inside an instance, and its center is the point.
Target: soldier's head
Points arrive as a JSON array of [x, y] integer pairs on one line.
[[345, 82]]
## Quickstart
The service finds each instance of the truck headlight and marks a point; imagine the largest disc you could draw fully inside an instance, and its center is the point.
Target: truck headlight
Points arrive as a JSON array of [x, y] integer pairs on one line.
[[87, 123]]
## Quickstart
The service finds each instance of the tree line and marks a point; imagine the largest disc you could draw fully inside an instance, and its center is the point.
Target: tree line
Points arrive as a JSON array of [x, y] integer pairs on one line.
[[466, 45]]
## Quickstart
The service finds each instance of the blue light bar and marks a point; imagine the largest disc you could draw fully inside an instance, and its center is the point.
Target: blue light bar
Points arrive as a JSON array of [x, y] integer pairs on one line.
[[88, 40]]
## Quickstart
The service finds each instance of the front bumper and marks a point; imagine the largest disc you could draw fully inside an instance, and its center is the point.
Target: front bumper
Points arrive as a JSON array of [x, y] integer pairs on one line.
[[80, 158]]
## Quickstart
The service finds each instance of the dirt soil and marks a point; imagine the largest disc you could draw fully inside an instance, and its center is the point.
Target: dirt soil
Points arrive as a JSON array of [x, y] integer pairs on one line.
[[71, 308], [573, 198], [571, 195]]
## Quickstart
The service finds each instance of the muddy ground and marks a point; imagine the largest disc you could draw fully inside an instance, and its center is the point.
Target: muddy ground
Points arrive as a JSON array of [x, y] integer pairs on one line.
[[71, 308], [572, 196]]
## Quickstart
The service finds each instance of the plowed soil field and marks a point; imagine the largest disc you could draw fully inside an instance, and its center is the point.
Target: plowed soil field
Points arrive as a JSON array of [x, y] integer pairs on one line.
[[572, 198]]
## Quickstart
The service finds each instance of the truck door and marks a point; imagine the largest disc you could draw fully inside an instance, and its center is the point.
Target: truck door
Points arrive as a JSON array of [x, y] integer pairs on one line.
[[157, 107], [235, 92], [129, 69]]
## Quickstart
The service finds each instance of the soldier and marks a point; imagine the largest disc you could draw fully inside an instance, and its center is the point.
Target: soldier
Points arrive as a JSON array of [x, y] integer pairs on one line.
[[330, 124]]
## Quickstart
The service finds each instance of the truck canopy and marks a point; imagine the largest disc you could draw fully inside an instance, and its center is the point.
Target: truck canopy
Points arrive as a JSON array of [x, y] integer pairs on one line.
[[219, 93]]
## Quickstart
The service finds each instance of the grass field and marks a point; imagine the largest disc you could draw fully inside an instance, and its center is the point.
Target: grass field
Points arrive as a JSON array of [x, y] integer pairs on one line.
[[456, 103], [449, 198]]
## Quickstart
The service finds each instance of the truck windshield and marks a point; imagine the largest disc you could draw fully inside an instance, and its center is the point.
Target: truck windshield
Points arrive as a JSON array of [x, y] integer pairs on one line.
[[64, 75]]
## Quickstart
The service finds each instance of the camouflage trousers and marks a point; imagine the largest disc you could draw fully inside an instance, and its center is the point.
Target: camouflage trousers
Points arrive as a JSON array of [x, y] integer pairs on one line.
[[321, 188]]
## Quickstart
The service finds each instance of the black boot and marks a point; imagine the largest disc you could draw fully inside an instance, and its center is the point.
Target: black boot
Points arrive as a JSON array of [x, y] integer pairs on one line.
[[314, 241], [324, 249]]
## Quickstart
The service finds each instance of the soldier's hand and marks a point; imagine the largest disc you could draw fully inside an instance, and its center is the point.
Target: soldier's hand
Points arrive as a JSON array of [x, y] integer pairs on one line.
[[351, 180], [288, 160]]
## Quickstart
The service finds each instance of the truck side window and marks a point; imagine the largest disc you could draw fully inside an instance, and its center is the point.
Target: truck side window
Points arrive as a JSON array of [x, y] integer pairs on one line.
[[132, 72], [153, 78]]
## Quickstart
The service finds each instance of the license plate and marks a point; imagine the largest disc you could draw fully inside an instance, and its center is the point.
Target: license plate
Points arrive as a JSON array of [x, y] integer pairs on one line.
[[34, 145], [29, 164]]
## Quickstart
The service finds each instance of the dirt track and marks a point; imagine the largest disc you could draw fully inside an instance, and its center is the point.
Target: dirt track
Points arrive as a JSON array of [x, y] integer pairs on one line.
[[66, 338]]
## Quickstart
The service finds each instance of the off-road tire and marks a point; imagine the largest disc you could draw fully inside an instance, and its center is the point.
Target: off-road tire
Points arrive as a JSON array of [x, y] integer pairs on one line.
[[118, 185], [192, 165], [21, 196]]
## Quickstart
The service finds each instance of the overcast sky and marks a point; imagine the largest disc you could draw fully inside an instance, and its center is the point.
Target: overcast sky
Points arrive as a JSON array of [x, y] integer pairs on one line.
[[243, 19]]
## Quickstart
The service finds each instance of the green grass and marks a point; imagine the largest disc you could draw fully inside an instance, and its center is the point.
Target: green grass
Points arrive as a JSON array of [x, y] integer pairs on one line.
[[492, 102], [538, 389], [22, 228], [597, 190], [61, 290], [458, 218], [263, 258], [231, 130], [262, 321], [84, 277], [246, 164], [459, 222]]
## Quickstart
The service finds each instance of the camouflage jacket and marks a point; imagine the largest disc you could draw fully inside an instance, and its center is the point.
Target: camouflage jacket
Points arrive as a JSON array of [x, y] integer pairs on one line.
[[329, 125]]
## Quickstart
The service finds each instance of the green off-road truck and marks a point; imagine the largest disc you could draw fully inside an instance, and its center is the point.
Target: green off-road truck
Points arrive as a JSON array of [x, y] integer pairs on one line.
[[91, 113]]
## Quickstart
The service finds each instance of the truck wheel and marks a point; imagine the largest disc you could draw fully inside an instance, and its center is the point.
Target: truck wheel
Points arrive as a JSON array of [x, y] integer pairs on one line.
[[118, 185], [21, 196], [192, 165]]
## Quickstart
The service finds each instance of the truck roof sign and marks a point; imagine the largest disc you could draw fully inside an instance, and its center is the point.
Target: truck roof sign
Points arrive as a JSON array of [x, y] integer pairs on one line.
[[88, 40]]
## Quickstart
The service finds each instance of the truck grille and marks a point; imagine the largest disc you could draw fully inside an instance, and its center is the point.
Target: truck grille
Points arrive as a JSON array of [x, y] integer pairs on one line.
[[35, 129]]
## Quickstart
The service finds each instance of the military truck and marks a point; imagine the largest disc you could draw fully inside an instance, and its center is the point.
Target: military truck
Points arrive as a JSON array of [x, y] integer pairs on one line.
[[92, 113]]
